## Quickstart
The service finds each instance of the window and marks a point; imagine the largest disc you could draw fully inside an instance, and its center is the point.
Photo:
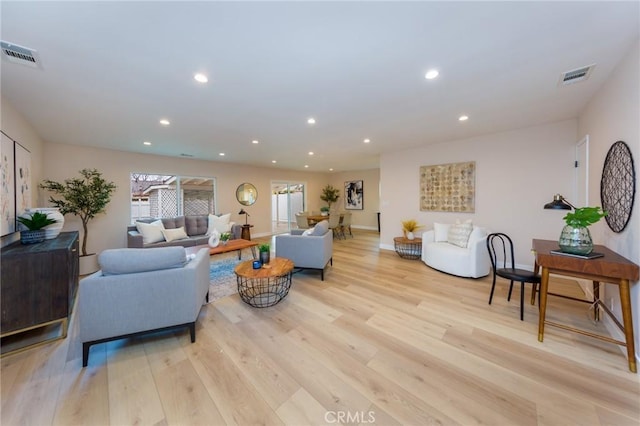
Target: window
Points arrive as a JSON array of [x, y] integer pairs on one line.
[[155, 196]]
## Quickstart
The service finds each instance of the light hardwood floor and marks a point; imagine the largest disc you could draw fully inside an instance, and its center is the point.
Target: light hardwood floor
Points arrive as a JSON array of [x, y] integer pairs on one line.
[[382, 340]]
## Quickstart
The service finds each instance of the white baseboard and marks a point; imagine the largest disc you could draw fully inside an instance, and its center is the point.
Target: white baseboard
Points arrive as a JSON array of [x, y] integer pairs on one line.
[[368, 228]]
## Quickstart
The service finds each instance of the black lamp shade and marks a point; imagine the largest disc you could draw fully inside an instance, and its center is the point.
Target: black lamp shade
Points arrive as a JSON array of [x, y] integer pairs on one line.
[[558, 203]]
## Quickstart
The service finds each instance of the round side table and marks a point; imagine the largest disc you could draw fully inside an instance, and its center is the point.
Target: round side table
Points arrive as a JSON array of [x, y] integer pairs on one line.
[[408, 249], [266, 286]]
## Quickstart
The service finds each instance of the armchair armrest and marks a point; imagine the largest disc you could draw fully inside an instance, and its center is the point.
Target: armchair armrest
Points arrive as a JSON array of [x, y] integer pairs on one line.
[[134, 239]]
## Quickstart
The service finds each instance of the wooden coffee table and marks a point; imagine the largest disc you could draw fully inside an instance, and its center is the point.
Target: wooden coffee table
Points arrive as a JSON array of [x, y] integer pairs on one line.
[[266, 286], [231, 245]]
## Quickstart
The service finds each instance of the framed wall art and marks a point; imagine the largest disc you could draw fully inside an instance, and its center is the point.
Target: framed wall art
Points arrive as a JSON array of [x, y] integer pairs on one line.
[[353, 195], [618, 186], [23, 179], [7, 187], [448, 187]]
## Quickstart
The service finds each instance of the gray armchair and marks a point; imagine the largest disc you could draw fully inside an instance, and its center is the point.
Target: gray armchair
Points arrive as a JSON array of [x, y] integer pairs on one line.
[[312, 251], [141, 290]]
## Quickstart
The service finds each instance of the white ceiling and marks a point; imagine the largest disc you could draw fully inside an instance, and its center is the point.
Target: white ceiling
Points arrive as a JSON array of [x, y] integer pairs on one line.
[[111, 70]]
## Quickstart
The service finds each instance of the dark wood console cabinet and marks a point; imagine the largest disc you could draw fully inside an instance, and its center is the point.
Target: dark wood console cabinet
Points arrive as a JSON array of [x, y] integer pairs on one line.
[[39, 283]]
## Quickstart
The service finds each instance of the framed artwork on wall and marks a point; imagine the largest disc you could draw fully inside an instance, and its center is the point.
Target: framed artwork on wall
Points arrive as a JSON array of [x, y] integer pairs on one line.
[[7, 187], [448, 187], [354, 195], [23, 179]]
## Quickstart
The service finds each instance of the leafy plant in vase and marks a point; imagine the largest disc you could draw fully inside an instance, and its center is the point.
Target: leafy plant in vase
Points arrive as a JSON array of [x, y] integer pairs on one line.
[[409, 227], [225, 237], [34, 222], [575, 237], [85, 196], [329, 195], [265, 253]]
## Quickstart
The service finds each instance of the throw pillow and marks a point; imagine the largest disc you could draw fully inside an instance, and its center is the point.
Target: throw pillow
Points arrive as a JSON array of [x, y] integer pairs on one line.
[[459, 233], [219, 223], [307, 232], [440, 232], [320, 229], [151, 232], [174, 234]]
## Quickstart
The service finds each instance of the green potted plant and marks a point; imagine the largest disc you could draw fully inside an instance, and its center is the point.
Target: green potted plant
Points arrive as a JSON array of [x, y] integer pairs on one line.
[[324, 211], [265, 253], [225, 237], [329, 195], [409, 227], [34, 222], [575, 237], [85, 196]]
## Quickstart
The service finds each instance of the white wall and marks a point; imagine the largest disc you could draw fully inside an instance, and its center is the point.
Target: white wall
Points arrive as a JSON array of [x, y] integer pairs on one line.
[[517, 173], [613, 114]]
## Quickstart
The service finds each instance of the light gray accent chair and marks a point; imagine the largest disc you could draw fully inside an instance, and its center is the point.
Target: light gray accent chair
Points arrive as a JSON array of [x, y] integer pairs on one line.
[[310, 249], [139, 291]]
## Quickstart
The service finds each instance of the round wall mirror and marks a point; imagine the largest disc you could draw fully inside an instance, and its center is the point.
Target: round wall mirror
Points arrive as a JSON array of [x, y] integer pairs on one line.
[[246, 194]]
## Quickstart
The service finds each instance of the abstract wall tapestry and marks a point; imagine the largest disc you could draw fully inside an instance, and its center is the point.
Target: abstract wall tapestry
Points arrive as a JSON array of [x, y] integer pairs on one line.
[[354, 195], [448, 187], [7, 187], [23, 179]]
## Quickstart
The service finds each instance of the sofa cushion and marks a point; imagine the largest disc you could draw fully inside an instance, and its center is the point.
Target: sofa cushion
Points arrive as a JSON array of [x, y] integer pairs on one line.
[[128, 261], [173, 222], [219, 223], [440, 232], [459, 233], [174, 234], [320, 229], [151, 232], [196, 225]]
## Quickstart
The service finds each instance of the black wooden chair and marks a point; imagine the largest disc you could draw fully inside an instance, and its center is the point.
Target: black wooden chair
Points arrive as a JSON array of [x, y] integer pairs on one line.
[[500, 249]]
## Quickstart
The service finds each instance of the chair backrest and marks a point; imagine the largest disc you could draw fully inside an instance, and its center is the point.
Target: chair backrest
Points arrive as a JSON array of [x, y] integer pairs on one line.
[[334, 220], [301, 221], [346, 219], [500, 249]]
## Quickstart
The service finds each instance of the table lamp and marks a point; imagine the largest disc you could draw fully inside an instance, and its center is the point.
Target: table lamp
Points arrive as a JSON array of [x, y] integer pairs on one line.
[[246, 217]]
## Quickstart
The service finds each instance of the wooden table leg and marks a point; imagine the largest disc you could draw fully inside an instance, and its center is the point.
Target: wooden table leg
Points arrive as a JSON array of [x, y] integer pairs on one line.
[[627, 320], [544, 286], [534, 286], [596, 297]]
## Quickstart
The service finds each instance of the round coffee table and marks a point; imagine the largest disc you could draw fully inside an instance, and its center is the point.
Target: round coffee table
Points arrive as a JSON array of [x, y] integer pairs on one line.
[[266, 286], [408, 249]]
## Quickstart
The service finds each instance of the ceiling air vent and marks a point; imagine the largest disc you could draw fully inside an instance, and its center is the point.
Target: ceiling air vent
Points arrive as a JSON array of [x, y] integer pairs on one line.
[[574, 76], [20, 55]]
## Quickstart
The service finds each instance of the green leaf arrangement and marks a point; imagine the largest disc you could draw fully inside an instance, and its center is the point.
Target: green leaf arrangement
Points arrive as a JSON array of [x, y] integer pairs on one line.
[[36, 221], [264, 248], [584, 216], [225, 236]]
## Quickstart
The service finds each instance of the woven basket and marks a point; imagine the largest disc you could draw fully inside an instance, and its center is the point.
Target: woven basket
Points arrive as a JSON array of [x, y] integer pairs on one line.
[[32, 237]]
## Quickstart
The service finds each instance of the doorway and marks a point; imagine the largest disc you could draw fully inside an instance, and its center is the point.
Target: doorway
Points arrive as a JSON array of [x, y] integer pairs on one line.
[[287, 199]]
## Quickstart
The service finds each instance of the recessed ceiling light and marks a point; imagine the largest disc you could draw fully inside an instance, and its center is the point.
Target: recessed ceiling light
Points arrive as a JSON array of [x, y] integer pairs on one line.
[[330, 170], [310, 152], [201, 78], [221, 154], [165, 122], [431, 74], [463, 118], [306, 166], [147, 143], [274, 161], [367, 140], [255, 141], [311, 120]]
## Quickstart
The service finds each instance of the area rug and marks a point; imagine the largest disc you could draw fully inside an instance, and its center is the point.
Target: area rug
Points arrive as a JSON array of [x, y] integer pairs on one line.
[[222, 279]]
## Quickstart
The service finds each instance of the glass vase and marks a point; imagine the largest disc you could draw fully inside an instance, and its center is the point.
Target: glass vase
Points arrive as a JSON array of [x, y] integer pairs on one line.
[[575, 240]]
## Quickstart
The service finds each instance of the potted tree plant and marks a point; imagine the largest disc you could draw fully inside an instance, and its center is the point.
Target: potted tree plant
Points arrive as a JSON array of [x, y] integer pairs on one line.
[[329, 195], [85, 197], [575, 237], [34, 222]]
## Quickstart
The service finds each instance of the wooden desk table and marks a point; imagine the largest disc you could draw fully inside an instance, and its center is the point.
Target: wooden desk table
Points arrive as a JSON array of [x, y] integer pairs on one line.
[[231, 245], [611, 268]]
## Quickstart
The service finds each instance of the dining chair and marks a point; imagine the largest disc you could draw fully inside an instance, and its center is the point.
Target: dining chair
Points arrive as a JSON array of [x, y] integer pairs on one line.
[[502, 259], [302, 221], [346, 225], [334, 224]]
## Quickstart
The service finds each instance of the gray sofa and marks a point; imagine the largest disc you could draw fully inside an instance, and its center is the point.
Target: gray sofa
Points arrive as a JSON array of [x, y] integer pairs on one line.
[[314, 251], [141, 290], [195, 226]]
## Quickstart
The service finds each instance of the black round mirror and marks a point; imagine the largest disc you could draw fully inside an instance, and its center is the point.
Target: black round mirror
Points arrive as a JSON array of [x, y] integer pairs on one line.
[[246, 194]]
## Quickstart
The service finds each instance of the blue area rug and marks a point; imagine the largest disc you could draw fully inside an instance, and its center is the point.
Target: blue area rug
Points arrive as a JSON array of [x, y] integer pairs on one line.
[[222, 279]]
